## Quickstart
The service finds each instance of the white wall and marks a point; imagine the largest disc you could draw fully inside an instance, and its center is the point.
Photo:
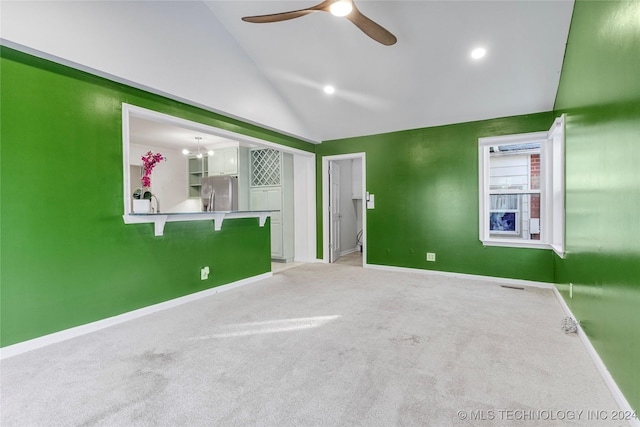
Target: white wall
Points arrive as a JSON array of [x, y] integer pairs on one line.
[[244, 166], [358, 207], [357, 191], [173, 48], [304, 183], [348, 221]]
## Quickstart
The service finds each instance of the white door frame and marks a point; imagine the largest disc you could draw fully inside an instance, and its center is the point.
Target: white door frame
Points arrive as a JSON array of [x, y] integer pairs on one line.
[[335, 225], [325, 203]]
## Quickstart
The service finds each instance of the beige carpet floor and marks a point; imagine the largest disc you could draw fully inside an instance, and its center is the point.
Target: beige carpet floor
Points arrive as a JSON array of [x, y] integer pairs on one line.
[[353, 259], [320, 345]]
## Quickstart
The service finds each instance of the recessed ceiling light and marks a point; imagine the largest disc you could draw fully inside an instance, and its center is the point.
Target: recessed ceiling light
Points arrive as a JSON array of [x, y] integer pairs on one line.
[[341, 8], [478, 53], [329, 89]]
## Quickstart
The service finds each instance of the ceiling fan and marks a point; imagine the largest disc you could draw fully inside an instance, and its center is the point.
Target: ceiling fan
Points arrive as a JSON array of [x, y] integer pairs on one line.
[[345, 8]]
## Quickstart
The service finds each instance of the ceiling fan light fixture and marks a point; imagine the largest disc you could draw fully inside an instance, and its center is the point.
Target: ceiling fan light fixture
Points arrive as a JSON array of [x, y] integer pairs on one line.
[[341, 8]]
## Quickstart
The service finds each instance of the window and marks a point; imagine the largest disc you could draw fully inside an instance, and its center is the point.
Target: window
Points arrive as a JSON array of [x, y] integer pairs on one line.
[[522, 189]]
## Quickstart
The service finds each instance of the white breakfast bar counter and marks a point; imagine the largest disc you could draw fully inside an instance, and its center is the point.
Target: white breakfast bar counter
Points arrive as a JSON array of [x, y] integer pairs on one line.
[[218, 217]]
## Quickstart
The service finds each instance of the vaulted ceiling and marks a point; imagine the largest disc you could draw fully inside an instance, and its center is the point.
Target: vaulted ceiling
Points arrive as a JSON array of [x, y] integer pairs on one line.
[[273, 74]]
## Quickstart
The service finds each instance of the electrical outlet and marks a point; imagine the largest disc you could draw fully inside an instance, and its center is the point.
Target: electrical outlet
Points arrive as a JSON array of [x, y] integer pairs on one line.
[[204, 273], [431, 256]]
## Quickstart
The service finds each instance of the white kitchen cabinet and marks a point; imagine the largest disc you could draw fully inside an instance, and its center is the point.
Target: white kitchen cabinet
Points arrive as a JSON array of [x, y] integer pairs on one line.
[[270, 198], [224, 161], [271, 188], [230, 161]]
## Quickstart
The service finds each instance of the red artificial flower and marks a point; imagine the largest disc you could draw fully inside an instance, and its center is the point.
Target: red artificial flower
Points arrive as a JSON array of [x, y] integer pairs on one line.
[[149, 161]]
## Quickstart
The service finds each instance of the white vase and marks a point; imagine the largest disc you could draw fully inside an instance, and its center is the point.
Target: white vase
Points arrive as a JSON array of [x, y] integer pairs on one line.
[[141, 206]]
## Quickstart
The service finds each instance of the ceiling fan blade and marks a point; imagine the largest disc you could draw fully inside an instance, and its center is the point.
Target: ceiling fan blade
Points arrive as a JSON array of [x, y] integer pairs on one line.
[[370, 28], [277, 17]]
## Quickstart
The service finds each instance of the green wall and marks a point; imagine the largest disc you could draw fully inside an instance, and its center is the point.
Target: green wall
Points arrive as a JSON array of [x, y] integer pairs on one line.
[[425, 183], [67, 258], [600, 93]]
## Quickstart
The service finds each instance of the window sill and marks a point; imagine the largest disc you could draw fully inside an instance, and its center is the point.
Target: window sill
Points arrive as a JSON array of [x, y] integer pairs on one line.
[[531, 244], [559, 250], [160, 219]]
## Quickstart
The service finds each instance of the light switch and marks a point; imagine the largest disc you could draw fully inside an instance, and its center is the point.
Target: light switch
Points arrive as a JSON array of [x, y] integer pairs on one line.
[[371, 202]]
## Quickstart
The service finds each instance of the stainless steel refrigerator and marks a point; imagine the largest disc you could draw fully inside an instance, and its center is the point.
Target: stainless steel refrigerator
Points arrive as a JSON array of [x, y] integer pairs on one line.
[[219, 193]]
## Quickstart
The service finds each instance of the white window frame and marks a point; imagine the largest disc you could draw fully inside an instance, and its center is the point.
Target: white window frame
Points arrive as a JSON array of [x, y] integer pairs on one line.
[[551, 193]]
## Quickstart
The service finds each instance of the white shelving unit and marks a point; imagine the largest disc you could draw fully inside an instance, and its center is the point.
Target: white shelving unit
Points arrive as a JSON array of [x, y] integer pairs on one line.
[[197, 169]]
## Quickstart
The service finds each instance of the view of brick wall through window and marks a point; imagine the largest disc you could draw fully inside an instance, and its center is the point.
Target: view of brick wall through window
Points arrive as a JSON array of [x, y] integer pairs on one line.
[[535, 184]]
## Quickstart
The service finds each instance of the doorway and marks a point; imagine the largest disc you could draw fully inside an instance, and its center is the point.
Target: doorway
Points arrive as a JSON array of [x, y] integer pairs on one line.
[[343, 194]]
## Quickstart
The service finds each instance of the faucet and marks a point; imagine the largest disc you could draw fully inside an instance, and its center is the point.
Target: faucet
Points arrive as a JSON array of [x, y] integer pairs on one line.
[[157, 210], [212, 200]]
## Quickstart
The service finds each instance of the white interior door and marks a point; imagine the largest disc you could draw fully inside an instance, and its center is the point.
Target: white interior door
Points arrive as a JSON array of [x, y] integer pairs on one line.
[[334, 211]]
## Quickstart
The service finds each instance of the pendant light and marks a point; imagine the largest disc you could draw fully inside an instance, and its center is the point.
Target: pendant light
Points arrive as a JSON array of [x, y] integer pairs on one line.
[[198, 154]]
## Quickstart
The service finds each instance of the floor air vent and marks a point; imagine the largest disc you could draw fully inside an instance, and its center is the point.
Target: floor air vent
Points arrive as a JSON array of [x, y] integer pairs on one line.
[[520, 288]]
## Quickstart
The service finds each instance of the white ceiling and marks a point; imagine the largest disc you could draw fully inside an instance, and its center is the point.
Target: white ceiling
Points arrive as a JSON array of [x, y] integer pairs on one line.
[[428, 78], [160, 134], [201, 52]]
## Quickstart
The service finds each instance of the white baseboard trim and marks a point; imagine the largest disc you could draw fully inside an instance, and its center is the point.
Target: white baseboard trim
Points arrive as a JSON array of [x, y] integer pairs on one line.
[[307, 260], [504, 280], [604, 372], [348, 251], [66, 334]]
